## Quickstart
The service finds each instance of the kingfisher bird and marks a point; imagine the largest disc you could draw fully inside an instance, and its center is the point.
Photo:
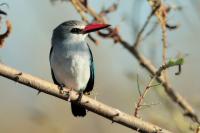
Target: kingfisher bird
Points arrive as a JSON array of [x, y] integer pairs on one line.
[[71, 58]]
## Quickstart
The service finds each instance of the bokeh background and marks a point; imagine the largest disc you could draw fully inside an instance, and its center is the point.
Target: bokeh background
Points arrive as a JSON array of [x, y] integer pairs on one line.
[[27, 49]]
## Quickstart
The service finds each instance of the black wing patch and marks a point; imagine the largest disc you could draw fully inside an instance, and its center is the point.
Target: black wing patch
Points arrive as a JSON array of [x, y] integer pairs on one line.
[[52, 74], [90, 83]]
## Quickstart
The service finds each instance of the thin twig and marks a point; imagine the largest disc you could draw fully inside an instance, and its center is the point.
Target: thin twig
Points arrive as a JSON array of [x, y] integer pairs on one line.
[[149, 104], [138, 37], [110, 9], [161, 14], [149, 85], [79, 10], [164, 39], [138, 85], [141, 98], [153, 28]]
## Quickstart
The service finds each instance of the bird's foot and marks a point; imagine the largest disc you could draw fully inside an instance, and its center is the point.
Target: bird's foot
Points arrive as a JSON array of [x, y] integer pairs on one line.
[[60, 87], [67, 94], [64, 92], [87, 93], [80, 96]]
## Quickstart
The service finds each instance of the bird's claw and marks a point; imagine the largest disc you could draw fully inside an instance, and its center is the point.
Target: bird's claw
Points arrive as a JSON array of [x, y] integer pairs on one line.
[[80, 96], [61, 90], [87, 93], [66, 93]]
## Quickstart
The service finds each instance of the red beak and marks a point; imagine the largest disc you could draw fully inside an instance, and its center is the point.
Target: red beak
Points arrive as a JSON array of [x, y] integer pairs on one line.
[[94, 27]]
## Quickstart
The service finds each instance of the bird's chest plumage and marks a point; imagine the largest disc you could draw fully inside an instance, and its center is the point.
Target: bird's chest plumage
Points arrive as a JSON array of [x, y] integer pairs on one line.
[[71, 65]]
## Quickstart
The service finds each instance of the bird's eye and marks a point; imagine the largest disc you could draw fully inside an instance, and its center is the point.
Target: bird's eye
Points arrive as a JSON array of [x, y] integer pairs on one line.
[[76, 30]]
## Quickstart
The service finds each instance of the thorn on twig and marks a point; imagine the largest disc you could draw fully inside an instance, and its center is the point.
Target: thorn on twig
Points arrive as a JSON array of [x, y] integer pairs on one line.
[[138, 85], [154, 85], [117, 114], [149, 105], [38, 92], [18, 75]]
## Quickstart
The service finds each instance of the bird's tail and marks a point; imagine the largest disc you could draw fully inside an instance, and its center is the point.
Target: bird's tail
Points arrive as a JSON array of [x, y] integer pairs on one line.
[[77, 110]]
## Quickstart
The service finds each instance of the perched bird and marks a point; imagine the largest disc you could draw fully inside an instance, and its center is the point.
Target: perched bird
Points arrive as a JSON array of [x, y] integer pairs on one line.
[[71, 58]]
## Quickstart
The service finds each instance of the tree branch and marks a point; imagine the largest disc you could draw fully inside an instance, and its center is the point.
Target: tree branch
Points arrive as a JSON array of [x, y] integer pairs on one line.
[[90, 104]]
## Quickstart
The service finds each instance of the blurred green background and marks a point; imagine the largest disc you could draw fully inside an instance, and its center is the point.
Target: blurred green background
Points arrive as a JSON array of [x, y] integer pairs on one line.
[[27, 49]]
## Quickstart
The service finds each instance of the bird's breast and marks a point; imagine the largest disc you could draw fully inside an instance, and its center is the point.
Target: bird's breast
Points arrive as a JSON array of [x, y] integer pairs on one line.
[[71, 67]]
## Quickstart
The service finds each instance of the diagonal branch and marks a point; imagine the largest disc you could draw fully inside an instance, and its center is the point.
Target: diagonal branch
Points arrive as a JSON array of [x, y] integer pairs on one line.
[[97, 107]]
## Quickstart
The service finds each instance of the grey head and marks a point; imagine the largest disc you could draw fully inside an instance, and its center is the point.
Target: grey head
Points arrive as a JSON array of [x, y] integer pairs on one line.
[[70, 30], [74, 31]]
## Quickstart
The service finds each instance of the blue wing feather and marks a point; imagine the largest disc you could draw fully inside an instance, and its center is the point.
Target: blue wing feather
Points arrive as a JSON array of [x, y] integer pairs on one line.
[[90, 83], [52, 74]]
